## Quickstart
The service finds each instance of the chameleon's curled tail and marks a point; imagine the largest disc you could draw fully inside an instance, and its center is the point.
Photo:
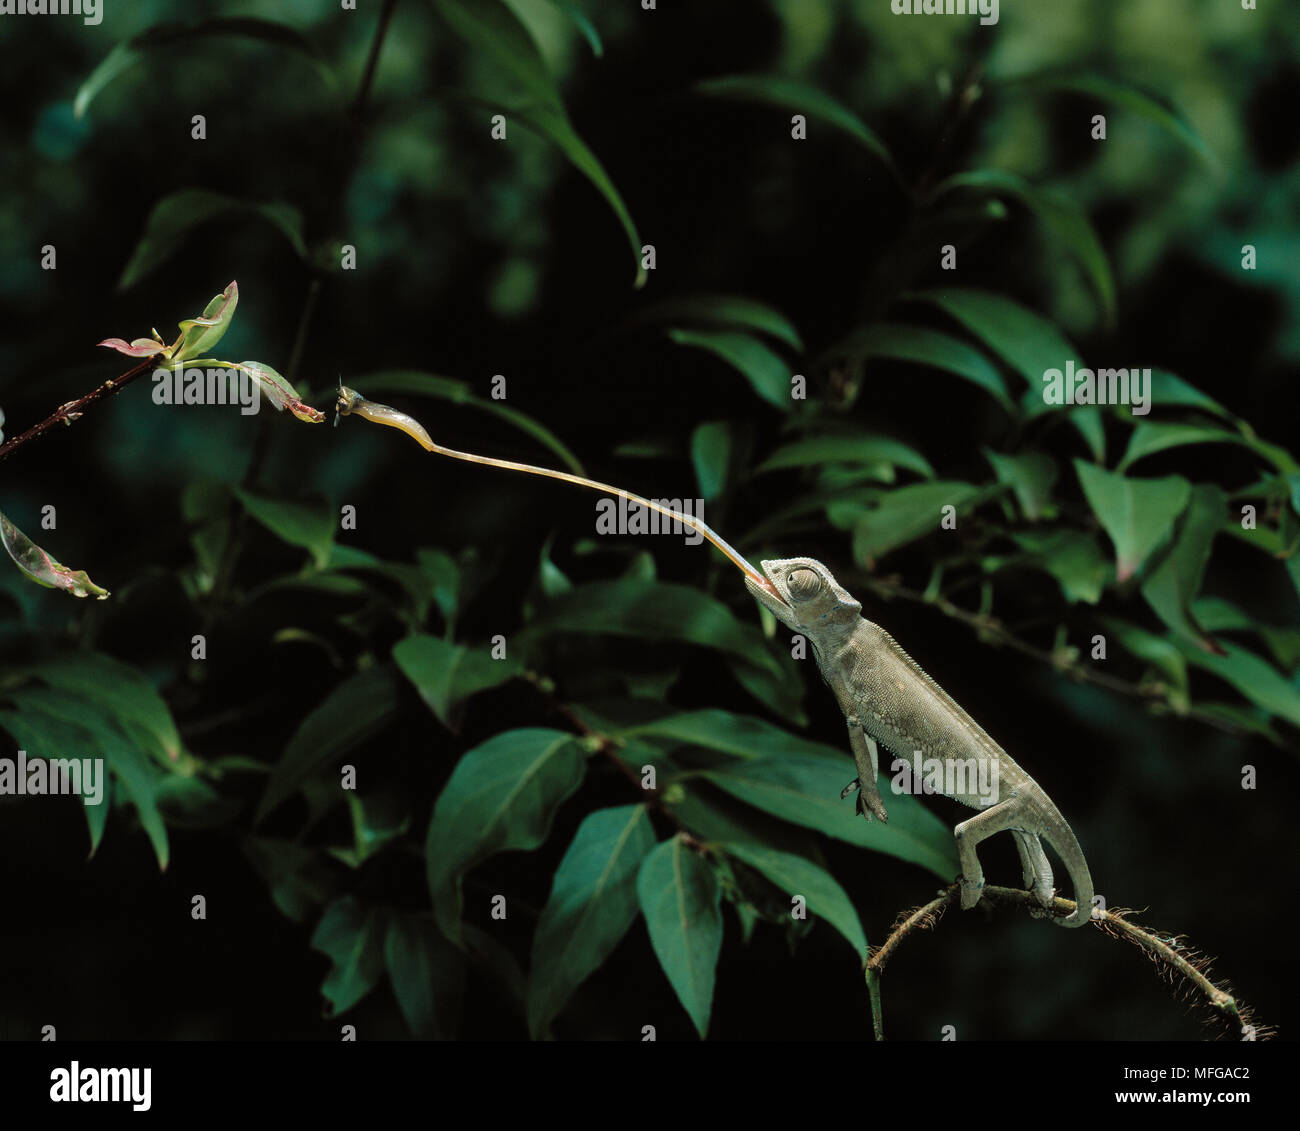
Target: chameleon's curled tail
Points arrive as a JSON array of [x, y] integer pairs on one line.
[[1063, 841]]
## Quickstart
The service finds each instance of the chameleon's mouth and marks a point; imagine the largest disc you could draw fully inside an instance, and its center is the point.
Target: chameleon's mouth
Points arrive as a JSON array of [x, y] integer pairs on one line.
[[765, 590]]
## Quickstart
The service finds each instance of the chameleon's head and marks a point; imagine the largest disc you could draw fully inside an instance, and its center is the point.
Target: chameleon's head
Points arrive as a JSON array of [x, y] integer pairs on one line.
[[804, 596]]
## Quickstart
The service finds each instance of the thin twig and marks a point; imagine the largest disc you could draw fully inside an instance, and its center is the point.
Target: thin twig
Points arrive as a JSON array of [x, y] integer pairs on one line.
[[69, 411], [608, 746], [1167, 951], [999, 633], [920, 919]]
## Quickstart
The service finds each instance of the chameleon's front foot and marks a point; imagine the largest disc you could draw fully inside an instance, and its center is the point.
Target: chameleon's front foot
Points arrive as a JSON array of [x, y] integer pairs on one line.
[[870, 802], [971, 890]]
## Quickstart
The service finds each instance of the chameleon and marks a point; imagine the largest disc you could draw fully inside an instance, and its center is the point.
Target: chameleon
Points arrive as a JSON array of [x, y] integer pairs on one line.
[[884, 694], [888, 698]]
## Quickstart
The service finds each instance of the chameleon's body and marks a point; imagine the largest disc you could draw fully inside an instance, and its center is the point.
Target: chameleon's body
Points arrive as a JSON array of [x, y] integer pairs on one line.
[[886, 697]]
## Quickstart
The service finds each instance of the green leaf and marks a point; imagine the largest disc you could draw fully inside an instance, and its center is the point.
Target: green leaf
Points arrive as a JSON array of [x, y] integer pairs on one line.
[[428, 976], [1151, 436], [1030, 474], [897, 341], [682, 903], [309, 525], [721, 311], [1157, 651], [162, 38], [660, 611], [1175, 582], [805, 789], [176, 215], [57, 723], [191, 803], [446, 674], [122, 691], [300, 880], [496, 960], [1137, 513], [766, 371], [443, 575], [38, 565], [1025, 340], [1169, 391], [741, 735], [555, 125], [711, 454], [820, 890], [1126, 94], [377, 821], [1251, 675], [582, 23], [592, 904], [355, 710], [458, 392], [863, 448], [353, 939], [200, 335], [1073, 557], [714, 817], [491, 27], [909, 513], [501, 796], [97, 818], [1088, 423], [800, 98], [781, 694], [1058, 213]]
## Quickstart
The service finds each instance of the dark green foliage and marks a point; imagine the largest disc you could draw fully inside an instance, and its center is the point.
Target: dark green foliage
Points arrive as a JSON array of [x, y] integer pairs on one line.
[[473, 750]]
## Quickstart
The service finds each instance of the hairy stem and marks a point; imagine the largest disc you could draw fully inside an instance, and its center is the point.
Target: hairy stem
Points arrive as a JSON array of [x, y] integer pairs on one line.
[[68, 412], [1167, 951]]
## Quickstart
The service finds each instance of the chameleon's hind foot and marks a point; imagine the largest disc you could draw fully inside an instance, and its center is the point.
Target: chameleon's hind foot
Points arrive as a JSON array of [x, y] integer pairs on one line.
[[971, 890]]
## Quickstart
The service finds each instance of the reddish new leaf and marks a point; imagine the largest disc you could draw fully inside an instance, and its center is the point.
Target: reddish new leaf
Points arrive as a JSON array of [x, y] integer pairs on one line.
[[141, 347]]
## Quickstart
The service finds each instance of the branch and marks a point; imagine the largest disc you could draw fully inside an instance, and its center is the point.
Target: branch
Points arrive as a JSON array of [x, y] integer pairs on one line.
[[606, 745], [1176, 959], [1000, 634], [72, 410]]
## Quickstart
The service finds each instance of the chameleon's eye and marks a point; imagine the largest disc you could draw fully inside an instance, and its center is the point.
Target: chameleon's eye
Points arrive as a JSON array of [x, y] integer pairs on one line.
[[803, 583]]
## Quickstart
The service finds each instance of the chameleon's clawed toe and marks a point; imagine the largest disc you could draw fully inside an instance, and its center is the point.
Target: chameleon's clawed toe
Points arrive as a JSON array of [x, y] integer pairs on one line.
[[971, 892], [848, 789]]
